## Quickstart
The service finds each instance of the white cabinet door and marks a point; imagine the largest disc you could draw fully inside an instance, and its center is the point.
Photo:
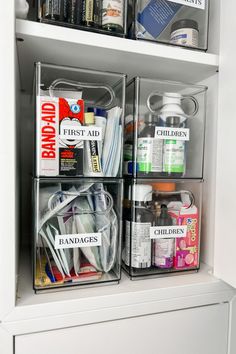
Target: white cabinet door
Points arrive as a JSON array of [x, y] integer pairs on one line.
[[201, 330], [225, 217]]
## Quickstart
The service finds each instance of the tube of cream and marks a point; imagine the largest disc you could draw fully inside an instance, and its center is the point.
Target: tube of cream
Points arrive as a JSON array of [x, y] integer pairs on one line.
[[92, 165], [100, 121]]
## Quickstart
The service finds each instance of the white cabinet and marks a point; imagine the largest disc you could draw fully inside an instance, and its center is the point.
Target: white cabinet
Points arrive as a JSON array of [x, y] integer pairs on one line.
[[225, 240], [200, 330], [187, 305]]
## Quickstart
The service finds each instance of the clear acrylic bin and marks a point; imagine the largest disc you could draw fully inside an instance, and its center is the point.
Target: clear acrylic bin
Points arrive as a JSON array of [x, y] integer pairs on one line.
[[77, 232], [106, 17], [175, 22], [164, 129], [161, 227], [79, 122]]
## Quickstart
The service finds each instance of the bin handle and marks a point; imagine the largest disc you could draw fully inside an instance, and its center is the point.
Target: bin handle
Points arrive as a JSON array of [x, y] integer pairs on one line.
[[190, 194], [60, 194], [78, 84], [161, 94]]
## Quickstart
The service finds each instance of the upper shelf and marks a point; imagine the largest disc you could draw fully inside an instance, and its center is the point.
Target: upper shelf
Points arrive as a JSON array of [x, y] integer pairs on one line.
[[66, 46]]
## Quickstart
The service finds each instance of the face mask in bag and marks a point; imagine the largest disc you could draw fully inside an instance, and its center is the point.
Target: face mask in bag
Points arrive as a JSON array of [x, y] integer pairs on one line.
[[45, 194], [52, 232], [60, 205], [65, 222], [85, 223], [114, 240], [53, 203], [104, 220], [76, 253], [53, 253]]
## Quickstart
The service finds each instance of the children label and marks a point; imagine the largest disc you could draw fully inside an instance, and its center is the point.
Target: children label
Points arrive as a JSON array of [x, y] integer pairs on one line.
[[81, 133], [176, 231], [181, 134], [198, 4], [78, 240]]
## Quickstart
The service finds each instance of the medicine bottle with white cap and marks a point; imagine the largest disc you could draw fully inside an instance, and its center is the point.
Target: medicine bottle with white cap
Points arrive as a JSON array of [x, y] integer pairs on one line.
[[174, 148], [149, 148]]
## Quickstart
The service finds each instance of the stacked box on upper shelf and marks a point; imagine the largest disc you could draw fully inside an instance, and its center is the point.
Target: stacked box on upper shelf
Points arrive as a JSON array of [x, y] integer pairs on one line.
[[79, 123], [164, 129], [106, 17], [176, 22]]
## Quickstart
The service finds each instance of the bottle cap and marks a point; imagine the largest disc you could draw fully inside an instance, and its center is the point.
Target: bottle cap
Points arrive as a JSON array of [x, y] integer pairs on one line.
[[129, 118], [150, 118], [164, 186], [171, 98], [173, 120], [98, 111], [89, 118], [142, 192], [184, 23]]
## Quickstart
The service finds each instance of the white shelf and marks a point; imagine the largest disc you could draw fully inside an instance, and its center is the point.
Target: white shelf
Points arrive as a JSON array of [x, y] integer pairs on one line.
[[66, 46], [45, 311]]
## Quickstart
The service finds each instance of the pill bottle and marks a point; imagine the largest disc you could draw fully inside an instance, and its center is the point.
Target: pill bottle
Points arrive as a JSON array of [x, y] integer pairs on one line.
[[185, 33], [113, 15], [163, 248], [174, 161], [137, 228], [149, 148]]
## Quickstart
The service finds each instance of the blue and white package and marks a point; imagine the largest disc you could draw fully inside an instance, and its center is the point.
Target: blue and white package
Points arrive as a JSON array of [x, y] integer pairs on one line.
[[155, 17]]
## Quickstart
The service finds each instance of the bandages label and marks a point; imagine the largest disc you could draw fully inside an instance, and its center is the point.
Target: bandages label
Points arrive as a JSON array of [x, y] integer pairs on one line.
[[198, 4], [78, 240], [168, 231]]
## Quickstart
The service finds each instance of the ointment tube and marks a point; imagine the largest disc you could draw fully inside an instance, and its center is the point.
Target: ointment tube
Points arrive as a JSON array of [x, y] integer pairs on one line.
[[92, 163]]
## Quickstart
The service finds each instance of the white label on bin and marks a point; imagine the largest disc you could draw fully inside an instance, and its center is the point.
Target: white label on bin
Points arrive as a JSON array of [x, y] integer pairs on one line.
[[71, 132], [168, 231], [198, 4], [78, 240], [172, 133]]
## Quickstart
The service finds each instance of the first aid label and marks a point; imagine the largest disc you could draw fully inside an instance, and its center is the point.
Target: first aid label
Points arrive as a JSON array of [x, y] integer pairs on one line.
[[81, 133]]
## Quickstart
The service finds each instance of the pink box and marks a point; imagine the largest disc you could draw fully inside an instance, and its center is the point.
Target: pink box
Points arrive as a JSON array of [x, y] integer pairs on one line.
[[186, 253]]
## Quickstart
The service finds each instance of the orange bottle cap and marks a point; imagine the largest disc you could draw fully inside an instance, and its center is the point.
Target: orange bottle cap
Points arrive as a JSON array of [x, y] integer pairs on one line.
[[164, 186]]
